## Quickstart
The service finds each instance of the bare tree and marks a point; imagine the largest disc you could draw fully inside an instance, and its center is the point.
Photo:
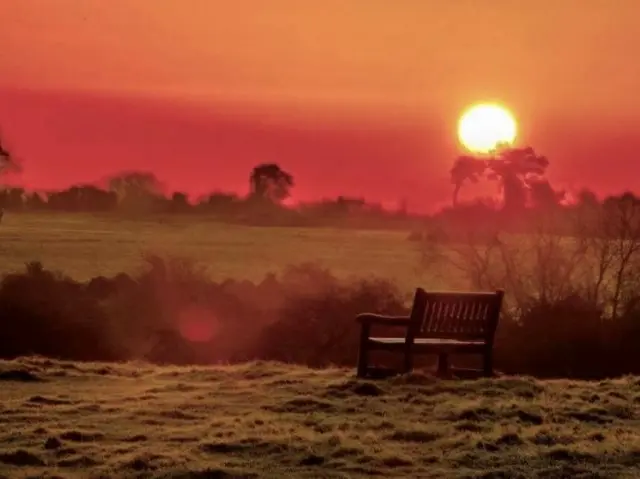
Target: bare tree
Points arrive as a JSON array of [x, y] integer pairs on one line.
[[592, 251], [536, 267], [611, 232]]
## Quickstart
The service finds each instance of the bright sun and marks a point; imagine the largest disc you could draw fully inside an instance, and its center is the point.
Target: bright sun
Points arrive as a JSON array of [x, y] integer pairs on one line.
[[484, 126]]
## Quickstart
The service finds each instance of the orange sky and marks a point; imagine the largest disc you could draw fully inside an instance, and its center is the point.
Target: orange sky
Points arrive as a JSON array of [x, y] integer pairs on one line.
[[372, 79]]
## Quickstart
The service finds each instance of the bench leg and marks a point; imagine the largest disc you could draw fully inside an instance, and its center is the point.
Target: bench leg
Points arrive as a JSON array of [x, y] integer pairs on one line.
[[363, 352], [443, 365], [487, 363]]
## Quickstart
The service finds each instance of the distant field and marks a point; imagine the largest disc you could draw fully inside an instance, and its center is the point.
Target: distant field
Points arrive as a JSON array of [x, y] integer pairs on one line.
[[76, 420], [84, 246]]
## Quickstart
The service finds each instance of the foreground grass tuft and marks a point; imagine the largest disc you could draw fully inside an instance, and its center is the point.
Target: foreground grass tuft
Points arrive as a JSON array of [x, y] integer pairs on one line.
[[263, 419]]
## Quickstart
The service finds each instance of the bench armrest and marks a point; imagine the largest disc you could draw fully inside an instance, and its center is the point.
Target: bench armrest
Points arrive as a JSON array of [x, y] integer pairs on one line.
[[371, 318]]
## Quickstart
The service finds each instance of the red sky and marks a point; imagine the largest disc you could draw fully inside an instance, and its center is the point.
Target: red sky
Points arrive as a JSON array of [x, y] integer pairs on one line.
[[352, 97]]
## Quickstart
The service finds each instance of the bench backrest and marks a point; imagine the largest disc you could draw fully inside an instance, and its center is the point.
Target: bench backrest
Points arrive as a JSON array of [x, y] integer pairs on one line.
[[451, 315]]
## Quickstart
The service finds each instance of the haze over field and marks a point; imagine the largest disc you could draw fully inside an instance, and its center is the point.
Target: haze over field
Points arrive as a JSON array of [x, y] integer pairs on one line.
[[351, 99], [226, 228]]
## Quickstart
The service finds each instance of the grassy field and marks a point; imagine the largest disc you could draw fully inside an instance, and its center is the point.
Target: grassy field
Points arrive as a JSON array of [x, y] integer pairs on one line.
[[85, 420], [84, 246], [63, 419]]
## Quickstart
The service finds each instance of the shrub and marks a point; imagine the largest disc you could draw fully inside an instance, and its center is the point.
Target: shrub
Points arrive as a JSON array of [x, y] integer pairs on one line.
[[564, 338], [49, 314], [319, 328]]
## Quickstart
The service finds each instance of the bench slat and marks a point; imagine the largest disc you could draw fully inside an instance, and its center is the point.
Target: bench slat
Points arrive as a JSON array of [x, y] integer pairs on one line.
[[448, 315], [430, 341]]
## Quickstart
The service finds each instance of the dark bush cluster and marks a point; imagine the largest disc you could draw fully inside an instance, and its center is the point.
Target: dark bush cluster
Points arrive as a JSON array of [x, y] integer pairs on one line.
[[170, 312]]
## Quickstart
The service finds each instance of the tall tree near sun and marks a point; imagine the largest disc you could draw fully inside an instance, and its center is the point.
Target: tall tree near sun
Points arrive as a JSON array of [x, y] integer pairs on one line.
[[269, 182], [517, 170]]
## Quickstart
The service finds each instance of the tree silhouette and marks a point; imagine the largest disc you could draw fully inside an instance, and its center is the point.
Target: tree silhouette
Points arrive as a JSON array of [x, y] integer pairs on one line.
[[269, 182], [220, 203], [137, 190], [466, 168], [516, 169], [544, 196], [136, 184], [83, 198], [179, 202], [587, 199]]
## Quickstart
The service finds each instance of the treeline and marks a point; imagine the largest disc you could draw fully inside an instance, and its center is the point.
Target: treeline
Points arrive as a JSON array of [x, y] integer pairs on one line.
[[141, 194], [484, 218], [520, 173], [526, 197]]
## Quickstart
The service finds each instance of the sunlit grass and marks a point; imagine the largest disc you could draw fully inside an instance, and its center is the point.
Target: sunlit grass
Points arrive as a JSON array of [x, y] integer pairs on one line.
[[273, 420]]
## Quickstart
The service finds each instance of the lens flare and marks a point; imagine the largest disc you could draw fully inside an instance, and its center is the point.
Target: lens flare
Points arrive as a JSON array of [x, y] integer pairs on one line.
[[197, 325]]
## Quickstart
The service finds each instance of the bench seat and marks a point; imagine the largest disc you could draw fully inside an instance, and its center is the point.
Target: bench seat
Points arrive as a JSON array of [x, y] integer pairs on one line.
[[431, 343]]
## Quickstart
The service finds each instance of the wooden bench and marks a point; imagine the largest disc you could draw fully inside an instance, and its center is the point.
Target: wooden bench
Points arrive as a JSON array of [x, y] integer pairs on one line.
[[440, 323]]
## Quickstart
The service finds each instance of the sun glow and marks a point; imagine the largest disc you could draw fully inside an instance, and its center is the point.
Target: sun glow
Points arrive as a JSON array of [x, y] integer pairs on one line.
[[483, 127]]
